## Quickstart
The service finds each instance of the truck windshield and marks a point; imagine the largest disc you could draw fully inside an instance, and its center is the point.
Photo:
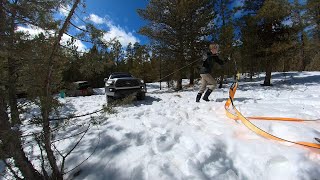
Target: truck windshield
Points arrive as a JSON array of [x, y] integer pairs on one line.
[[83, 85], [120, 76]]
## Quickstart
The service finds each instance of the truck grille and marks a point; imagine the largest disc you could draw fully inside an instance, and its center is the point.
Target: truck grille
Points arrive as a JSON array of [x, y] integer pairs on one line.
[[126, 83]]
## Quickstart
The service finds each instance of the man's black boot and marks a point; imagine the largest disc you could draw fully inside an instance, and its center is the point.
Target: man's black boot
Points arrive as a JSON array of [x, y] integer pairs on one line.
[[207, 94], [198, 97]]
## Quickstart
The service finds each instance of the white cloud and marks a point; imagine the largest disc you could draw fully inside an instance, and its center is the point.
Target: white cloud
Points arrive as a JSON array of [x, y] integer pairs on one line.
[[96, 19], [79, 44], [33, 31], [114, 31], [120, 34], [64, 10]]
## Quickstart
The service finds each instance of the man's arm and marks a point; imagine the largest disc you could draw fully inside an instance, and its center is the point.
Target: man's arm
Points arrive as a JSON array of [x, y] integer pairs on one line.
[[219, 61]]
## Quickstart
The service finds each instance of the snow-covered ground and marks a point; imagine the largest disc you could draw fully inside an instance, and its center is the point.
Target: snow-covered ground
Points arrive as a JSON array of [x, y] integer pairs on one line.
[[170, 136]]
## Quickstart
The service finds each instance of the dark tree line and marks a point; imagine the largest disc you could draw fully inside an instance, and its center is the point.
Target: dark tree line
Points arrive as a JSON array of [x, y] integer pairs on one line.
[[261, 36]]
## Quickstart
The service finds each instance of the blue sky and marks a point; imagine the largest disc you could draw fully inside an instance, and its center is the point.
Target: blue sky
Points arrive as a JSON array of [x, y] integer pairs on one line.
[[118, 17]]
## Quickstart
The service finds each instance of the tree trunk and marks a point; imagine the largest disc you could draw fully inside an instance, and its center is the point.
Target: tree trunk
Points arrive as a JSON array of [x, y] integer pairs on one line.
[[9, 134], [303, 54], [12, 77], [46, 100], [179, 84], [11, 142], [191, 71], [221, 80], [267, 79], [12, 81], [251, 73]]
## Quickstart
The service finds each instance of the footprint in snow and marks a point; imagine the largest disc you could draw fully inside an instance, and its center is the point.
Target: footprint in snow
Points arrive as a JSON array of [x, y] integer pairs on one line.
[[218, 165], [165, 142], [279, 167]]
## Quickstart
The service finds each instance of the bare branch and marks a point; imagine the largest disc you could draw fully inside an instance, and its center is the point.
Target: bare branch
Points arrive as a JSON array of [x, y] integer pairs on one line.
[[47, 95], [68, 137], [84, 30], [78, 141], [71, 117], [42, 157], [70, 49], [86, 158], [11, 170], [65, 157], [101, 42]]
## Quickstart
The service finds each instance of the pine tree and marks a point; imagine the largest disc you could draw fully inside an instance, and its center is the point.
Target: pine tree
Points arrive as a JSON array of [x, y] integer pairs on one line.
[[273, 33], [313, 13], [298, 54], [129, 57], [224, 31], [313, 19], [23, 58], [178, 27], [13, 53], [270, 34], [249, 37], [116, 54]]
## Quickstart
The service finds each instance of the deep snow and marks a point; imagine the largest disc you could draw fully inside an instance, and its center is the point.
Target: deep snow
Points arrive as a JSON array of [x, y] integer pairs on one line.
[[170, 136]]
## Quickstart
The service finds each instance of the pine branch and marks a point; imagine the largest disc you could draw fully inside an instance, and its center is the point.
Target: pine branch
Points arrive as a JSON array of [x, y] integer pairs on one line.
[[47, 96], [84, 30], [42, 157], [100, 43], [11, 170], [94, 150], [65, 156], [68, 137]]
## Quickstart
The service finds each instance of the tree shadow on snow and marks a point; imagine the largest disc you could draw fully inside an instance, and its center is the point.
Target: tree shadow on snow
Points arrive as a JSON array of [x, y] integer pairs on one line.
[[258, 87], [105, 165], [311, 173], [147, 101], [282, 81], [66, 110], [218, 165], [306, 80]]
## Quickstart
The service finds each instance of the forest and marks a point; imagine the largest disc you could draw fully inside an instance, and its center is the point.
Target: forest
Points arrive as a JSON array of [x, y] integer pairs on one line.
[[259, 36]]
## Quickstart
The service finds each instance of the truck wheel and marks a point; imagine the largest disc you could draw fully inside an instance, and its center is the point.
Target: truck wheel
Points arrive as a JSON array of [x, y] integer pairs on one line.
[[109, 99], [141, 96]]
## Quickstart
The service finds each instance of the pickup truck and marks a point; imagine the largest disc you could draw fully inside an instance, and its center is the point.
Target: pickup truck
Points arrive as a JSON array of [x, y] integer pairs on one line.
[[120, 85]]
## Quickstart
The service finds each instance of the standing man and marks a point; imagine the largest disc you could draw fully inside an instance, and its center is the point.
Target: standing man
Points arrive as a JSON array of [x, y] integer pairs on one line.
[[205, 72]]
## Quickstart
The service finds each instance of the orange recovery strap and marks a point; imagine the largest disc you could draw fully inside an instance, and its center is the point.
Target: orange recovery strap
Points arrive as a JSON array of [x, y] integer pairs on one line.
[[236, 115]]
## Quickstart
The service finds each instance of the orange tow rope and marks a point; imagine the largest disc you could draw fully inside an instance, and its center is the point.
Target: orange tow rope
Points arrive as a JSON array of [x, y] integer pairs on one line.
[[236, 115]]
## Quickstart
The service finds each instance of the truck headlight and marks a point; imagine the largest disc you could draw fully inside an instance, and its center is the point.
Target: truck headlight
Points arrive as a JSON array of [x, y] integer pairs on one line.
[[109, 82], [141, 81]]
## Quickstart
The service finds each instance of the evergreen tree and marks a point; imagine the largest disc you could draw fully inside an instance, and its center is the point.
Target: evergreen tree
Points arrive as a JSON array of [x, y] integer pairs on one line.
[[298, 55], [129, 57], [313, 19], [313, 14], [224, 30], [116, 54], [269, 32], [249, 37], [274, 34], [141, 61], [13, 53], [179, 27], [22, 59]]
